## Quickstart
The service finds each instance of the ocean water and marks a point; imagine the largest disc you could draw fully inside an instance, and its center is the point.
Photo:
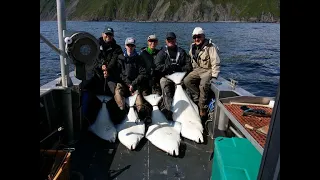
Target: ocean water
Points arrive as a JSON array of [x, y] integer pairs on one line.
[[249, 52]]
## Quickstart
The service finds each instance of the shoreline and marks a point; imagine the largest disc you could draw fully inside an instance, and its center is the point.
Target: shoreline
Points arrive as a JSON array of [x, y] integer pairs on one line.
[[275, 22]]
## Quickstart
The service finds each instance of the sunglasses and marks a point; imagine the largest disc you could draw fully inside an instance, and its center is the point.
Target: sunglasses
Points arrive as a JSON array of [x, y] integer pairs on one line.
[[130, 45], [170, 39], [153, 41], [109, 34], [196, 36]]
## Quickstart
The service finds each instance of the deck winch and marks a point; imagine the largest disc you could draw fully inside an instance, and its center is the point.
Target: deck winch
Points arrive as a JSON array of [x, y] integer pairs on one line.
[[83, 49]]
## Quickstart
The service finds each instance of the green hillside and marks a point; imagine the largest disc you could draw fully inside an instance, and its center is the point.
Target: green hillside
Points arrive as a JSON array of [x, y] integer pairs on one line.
[[166, 10]]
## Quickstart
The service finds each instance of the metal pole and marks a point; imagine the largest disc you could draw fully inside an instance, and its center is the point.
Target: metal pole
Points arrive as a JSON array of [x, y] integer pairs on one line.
[[45, 40], [67, 114], [52, 133], [61, 18], [66, 96], [235, 132]]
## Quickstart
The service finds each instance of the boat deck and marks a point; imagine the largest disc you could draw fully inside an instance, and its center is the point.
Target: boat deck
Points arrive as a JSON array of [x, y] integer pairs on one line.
[[97, 159]]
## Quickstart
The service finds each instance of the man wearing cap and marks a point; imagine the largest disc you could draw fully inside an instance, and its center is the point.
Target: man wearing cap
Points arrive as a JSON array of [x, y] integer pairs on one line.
[[106, 75], [109, 51], [107, 66], [133, 72], [170, 59], [206, 65], [148, 54]]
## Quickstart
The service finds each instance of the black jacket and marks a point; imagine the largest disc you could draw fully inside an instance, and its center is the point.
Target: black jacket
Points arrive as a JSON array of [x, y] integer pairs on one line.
[[133, 71], [109, 56], [164, 65], [148, 60]]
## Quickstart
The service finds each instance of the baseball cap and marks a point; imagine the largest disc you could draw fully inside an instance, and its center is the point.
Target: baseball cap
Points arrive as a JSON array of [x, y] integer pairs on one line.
[[152, 37], [108, 30], [197, 30], [171, 35], [130, 40]]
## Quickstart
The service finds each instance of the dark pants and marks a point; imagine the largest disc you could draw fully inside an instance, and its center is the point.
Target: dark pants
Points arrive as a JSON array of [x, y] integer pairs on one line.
[[143, 108], [91, 88], [91, 104], [168, 89], [198, 84], [100, 86], [155, 86], [151, 86]]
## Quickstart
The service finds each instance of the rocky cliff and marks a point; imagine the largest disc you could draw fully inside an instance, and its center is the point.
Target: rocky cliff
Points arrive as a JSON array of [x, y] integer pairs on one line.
[[165, 10]]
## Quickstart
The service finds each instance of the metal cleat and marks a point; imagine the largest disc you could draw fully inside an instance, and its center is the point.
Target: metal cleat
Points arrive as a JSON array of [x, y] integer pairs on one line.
[[233, 83]]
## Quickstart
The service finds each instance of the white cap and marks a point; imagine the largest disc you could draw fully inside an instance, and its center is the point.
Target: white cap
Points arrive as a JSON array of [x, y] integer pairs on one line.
[[153, 36], [130, 40], [197, 30]]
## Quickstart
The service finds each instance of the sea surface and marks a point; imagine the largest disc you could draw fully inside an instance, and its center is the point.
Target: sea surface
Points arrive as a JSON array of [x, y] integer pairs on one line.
[[249, 52]]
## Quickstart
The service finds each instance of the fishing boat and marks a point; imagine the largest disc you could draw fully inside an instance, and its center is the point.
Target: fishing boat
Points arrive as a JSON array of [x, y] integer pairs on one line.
[[64, 131]]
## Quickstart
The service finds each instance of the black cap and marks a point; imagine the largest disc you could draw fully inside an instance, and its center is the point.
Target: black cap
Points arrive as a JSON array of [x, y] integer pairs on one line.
[[108, 30], [171, 35]]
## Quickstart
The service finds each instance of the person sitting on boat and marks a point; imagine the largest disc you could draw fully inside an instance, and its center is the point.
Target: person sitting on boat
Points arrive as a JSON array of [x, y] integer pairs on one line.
[[206, 65], [148, 54], [133, 74], [171, 58], [109, 52], [106, 76]]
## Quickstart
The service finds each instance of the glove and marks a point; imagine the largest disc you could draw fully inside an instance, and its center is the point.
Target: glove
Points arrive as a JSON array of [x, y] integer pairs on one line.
[[175, 67]]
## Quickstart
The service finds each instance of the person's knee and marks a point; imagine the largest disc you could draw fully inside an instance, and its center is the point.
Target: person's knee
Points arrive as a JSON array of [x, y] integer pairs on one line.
[[205, 82], [139, 100], [163, 81], [119, 86], [204, 87], [166, 83], [121, 90]]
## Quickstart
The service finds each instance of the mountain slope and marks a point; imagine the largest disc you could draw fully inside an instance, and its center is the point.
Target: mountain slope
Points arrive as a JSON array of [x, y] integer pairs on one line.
[[166, 10]]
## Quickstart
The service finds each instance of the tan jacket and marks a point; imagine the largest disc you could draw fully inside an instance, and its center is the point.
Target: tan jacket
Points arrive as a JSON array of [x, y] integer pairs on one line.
[[208, 58]]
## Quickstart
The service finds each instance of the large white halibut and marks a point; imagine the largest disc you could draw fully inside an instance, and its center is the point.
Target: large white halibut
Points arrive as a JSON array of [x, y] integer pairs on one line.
[[103, 126], [131, 130], [163, 134], [185, 111]]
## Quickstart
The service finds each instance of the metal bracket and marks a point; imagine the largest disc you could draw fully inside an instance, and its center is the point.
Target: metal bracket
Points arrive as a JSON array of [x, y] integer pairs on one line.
[[59, 83], [233, 83], [69, 149]]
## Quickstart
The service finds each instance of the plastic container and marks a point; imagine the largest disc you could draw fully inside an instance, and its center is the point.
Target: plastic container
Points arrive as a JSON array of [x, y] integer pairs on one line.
[[235, 159]]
